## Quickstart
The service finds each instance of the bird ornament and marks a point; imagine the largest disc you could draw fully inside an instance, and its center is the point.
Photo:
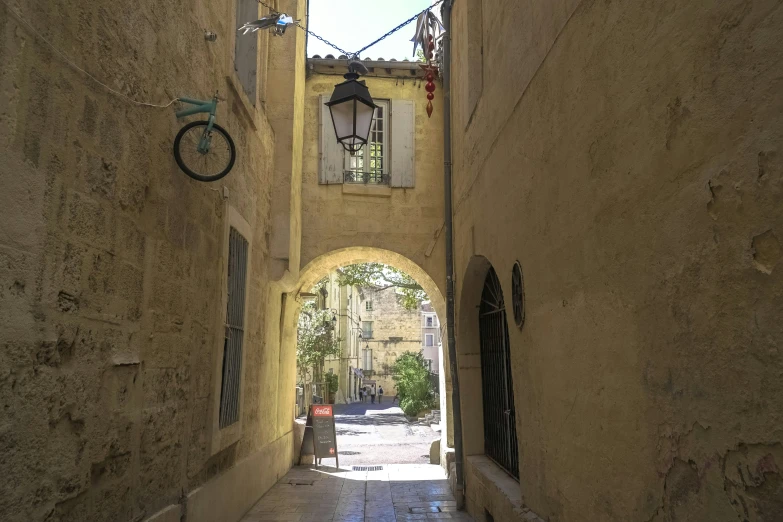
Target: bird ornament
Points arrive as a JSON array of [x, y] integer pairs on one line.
[[277, 22]]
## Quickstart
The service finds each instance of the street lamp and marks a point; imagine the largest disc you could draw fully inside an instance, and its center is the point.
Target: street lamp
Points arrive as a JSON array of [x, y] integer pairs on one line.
[[352, 109]]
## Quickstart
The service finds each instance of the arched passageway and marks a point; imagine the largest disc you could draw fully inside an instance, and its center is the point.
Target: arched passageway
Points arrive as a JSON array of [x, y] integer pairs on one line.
[[321, 266]]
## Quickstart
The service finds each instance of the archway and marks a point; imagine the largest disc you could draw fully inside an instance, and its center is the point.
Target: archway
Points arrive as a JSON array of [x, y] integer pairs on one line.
[[321, 266]]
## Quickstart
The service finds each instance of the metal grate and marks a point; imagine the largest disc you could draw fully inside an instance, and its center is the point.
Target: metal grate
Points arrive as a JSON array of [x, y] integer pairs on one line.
[[500, 433], [518, 294], [235, 329], [366, 468]]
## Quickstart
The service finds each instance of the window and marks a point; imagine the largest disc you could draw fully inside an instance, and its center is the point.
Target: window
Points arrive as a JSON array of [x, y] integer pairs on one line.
[[235, 329], [367, 329], [368, 306], [428, 364], [429, 321], [388, 158], [367, 359], [246, 49], [369, 165], [429, 340]]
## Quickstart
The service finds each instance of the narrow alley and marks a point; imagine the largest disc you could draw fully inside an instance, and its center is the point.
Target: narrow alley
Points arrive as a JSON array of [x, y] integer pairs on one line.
[[384, 474], [552, 229], [392, 493]]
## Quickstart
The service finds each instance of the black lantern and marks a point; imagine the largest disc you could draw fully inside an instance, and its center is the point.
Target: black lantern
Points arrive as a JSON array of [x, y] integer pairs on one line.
[[352, 109]]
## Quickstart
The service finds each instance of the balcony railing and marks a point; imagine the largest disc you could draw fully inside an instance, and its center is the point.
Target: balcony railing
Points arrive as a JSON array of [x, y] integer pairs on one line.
[[366, 178]]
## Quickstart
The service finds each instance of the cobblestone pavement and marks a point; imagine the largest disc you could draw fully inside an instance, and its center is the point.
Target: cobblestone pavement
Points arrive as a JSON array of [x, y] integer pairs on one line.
[[379, 434], [395, 493]]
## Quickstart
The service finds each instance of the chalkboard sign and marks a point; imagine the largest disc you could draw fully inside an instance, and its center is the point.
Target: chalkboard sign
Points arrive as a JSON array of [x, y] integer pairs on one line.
[[320, 438]]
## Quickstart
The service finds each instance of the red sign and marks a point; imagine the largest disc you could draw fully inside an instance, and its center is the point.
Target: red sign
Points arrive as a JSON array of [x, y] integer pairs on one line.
[[322, 411]]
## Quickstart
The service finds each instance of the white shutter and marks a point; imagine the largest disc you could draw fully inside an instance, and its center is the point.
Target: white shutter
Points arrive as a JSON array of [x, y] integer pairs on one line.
[[403, 134], [332, 154]]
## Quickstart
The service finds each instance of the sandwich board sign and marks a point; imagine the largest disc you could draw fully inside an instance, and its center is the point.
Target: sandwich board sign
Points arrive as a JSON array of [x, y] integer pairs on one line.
[[320, 437]]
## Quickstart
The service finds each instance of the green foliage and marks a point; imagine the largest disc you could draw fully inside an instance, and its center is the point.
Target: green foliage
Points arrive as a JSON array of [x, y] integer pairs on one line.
[[420, 55], [383, 276], [332, 382], [315, 338], [413, 383]]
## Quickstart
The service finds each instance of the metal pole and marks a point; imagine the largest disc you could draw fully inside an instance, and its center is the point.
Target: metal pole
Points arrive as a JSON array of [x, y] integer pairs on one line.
[[455, 397]]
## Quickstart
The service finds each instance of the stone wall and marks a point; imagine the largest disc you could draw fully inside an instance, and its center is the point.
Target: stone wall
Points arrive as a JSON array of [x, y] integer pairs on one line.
[[628, 155], [395, 331], [406, 221], [112, 267]]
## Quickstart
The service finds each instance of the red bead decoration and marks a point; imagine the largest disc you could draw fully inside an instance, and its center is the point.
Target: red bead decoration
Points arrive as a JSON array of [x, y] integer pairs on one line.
[[429, 37], [432, 46], [430, 73]]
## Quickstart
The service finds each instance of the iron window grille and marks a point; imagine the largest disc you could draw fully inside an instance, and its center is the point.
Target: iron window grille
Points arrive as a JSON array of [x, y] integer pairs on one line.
[[368, 306], [369, 165], [235, 329], [500, 432], [518, 294]]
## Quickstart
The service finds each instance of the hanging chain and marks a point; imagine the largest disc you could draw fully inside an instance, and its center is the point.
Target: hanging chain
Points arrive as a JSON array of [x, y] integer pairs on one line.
[[406, 22], [357, 53]]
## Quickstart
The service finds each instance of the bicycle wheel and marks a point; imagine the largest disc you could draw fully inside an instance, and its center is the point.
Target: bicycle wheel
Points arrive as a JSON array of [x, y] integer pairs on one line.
[[204, 166]]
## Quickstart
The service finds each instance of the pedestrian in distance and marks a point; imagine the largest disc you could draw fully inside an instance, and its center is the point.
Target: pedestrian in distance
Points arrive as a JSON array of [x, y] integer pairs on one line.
[[380, 394], [361, 395], [372, 394]]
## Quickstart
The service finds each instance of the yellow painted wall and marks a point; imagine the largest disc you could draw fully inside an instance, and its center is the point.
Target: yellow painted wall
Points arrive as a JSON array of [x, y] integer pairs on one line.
[[406, 221], [627, 154]]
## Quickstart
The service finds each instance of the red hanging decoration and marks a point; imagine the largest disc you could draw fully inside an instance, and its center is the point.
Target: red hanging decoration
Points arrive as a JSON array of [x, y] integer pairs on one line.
[[426, 26]]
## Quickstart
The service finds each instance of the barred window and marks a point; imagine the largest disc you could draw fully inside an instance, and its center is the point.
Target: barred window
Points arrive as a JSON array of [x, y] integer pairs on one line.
[[235, 329]]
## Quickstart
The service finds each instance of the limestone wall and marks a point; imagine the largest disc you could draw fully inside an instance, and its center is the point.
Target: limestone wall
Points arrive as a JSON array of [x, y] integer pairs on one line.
[[628, 155], [395, 331], [112, 268], [405, 221]]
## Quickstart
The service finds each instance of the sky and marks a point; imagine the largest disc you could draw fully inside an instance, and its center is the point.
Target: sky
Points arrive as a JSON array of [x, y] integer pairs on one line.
[[352, 24]]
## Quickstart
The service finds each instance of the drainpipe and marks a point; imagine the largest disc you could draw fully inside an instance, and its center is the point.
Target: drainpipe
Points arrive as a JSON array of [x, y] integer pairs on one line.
[[455, 398]]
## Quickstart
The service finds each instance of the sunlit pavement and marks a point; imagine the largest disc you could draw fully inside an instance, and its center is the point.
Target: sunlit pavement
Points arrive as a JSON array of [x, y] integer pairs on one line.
[[379, 434], [396, 492]]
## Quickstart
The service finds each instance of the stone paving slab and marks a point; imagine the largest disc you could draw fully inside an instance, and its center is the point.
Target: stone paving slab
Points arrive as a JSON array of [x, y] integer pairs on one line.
[[396, 493]]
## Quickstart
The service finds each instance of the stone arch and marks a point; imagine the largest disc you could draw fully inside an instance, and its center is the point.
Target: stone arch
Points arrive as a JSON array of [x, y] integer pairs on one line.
[[469, 354], [322, 265]]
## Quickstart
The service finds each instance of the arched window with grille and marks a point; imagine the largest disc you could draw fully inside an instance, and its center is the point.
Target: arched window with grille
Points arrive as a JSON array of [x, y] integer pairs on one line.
[[500, 433]]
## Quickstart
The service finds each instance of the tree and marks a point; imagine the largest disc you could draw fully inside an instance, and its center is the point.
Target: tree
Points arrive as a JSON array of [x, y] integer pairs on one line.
[[315, 341], [384, 277], [414, 386]]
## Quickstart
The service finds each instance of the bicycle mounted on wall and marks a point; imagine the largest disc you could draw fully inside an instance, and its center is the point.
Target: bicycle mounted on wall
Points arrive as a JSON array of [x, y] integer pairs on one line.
[[203, 149]]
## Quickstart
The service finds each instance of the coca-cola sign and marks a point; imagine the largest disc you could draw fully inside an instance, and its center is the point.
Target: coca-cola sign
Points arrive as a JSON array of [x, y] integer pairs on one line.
[[322, 411]]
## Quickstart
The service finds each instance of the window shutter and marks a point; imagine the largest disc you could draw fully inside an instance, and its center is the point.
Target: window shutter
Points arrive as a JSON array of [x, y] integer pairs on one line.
[[403, 133], [332, 161]]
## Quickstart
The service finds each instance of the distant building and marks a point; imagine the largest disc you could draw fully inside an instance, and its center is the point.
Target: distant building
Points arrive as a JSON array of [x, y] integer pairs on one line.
[[431, 338], [388, 331]]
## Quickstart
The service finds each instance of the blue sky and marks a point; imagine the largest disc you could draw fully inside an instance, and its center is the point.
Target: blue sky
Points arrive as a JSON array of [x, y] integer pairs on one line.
[[352, 24]]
